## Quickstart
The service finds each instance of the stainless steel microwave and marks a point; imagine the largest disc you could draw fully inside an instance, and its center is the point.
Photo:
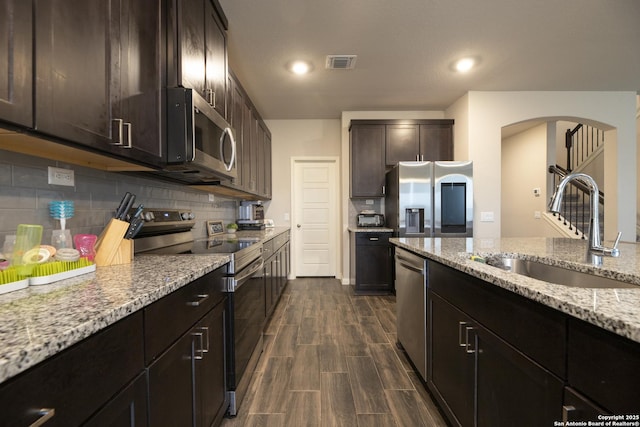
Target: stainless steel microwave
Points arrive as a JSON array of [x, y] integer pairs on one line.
[[201, 146]]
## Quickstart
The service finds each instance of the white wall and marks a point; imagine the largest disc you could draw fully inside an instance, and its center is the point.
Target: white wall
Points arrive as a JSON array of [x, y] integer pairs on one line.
[[296, 138], [488, 112], [524, 167]]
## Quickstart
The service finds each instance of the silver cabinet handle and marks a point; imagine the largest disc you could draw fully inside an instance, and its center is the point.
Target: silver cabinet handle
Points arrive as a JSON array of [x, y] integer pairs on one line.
[[468, 348], [460, 326], [45, 415], [374, 239], [201, 299], [203, 338], [127, 134], [566, 412], [116, 129]]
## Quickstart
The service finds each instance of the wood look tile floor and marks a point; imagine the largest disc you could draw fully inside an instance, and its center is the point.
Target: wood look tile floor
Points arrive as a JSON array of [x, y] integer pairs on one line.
[[330, 359]]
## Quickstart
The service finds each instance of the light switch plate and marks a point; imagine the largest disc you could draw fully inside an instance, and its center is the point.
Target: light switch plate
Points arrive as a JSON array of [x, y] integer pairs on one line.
[[486, 216]]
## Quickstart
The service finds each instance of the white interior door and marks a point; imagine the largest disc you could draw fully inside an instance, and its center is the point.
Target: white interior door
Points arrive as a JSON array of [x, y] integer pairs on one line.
[[315, 217]]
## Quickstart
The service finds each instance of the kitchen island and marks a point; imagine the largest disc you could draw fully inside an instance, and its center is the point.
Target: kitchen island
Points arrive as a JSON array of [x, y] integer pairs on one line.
[[615, 310], [502, 348]]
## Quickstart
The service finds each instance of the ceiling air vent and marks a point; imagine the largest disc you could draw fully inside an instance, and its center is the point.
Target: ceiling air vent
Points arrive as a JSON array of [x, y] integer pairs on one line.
[[341, 62]]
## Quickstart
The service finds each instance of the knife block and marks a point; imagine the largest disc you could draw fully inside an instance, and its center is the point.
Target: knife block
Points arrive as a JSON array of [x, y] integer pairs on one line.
[[112, 248]]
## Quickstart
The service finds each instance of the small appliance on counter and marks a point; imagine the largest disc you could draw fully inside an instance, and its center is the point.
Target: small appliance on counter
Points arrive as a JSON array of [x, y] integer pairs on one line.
[[251, 216], [370, 219]]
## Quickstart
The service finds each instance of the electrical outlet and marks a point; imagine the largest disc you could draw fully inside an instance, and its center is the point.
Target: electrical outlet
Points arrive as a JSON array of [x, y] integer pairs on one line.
[[59, 176], [212, 198], [369, 202]]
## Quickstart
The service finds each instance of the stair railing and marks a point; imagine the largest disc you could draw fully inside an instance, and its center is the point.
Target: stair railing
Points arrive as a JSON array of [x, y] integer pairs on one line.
[[581, 142], [575, 204]]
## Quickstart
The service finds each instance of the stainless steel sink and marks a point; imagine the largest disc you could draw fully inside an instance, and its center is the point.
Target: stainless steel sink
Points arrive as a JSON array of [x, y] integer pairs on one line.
[[555, 274]]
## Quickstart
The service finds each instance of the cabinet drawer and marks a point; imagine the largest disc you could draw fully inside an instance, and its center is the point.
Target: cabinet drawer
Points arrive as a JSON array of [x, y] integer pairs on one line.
[[280, 240], [604, 367], [372, 238], [79, 380], [168, 318], [534, 329], [267, 249]]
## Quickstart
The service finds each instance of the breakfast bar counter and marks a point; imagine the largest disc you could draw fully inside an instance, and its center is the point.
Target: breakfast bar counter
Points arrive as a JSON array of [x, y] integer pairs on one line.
[[613, 309]]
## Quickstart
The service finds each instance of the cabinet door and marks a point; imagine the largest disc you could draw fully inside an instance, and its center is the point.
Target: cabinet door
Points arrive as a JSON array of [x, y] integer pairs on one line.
[[604, 366], [16, 53], [269, 282], [138, 77], [127, 409], [373, 262], [210, 366], [73, 70], [235, 116], [578, 408], [171, 385], [248, 159], [367, 160], [451, 360], [215, 59], [402, 144], [266, 186], [511, 388], [436, 142], [79, 380], [191, 39]]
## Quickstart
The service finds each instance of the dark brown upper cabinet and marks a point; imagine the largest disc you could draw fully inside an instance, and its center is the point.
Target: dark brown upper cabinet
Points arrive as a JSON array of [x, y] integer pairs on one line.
[[420, 141], [100, 74], [201, 49], [367, 145], [16, 63]]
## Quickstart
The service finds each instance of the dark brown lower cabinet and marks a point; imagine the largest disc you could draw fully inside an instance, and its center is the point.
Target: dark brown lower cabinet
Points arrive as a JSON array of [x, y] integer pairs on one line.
[[604, 367], [187, 382], [127, 409], [480, 380], [71, 386], [577, 407], [372, 261], [452, 367]]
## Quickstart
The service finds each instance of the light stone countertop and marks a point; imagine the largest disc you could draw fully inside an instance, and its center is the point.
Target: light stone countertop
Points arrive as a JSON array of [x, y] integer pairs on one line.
[[616, 310], [40, 321], [370, 230]]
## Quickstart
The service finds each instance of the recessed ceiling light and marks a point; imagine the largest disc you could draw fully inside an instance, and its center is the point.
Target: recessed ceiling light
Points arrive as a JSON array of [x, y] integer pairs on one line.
[[300, 67], [465, 64]]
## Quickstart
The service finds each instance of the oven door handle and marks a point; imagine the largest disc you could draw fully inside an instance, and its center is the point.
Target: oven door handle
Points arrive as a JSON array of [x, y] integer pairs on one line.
[[236, 281]]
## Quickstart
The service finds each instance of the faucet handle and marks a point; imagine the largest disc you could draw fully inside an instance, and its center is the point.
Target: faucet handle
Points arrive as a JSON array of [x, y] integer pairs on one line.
[[614, 250]]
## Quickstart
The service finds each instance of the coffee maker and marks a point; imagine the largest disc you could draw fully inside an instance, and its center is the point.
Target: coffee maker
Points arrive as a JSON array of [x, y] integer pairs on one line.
[[251, 215]]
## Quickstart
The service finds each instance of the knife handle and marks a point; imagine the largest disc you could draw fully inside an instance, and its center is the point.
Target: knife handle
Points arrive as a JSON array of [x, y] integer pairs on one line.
[[122, 205]]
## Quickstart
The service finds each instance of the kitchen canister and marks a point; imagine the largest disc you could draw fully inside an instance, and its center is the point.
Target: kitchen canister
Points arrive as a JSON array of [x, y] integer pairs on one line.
[[26, 250]]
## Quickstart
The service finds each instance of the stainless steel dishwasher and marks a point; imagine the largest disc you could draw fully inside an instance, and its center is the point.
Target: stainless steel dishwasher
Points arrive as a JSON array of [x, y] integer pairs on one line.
[[411, 307]]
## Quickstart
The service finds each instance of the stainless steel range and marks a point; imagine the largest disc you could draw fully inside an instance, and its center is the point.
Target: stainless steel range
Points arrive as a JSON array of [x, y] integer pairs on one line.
[[169, 231]]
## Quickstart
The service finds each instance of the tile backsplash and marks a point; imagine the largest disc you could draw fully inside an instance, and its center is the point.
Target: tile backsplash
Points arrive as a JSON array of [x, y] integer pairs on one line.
[[25, 196]]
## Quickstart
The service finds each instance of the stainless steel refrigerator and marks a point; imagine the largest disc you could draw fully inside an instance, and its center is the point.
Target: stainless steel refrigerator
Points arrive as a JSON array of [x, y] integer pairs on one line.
[[430, 199]]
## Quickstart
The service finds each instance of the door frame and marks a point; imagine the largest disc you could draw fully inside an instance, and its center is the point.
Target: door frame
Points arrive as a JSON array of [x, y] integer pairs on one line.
[[335, 220]]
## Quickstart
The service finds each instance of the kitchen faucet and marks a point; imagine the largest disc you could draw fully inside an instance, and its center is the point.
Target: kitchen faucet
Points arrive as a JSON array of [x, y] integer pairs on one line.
[[595, 244]]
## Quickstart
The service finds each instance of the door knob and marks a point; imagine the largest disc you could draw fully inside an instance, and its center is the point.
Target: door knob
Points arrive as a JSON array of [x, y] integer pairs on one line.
[[298, 226]]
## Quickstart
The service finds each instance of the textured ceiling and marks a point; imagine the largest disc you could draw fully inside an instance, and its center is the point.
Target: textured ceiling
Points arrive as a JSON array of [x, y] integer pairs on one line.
[[405, 49]]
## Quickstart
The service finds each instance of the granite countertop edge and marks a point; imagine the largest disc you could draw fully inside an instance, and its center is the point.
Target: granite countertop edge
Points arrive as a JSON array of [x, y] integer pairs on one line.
[[611, 309], [40, 321]]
